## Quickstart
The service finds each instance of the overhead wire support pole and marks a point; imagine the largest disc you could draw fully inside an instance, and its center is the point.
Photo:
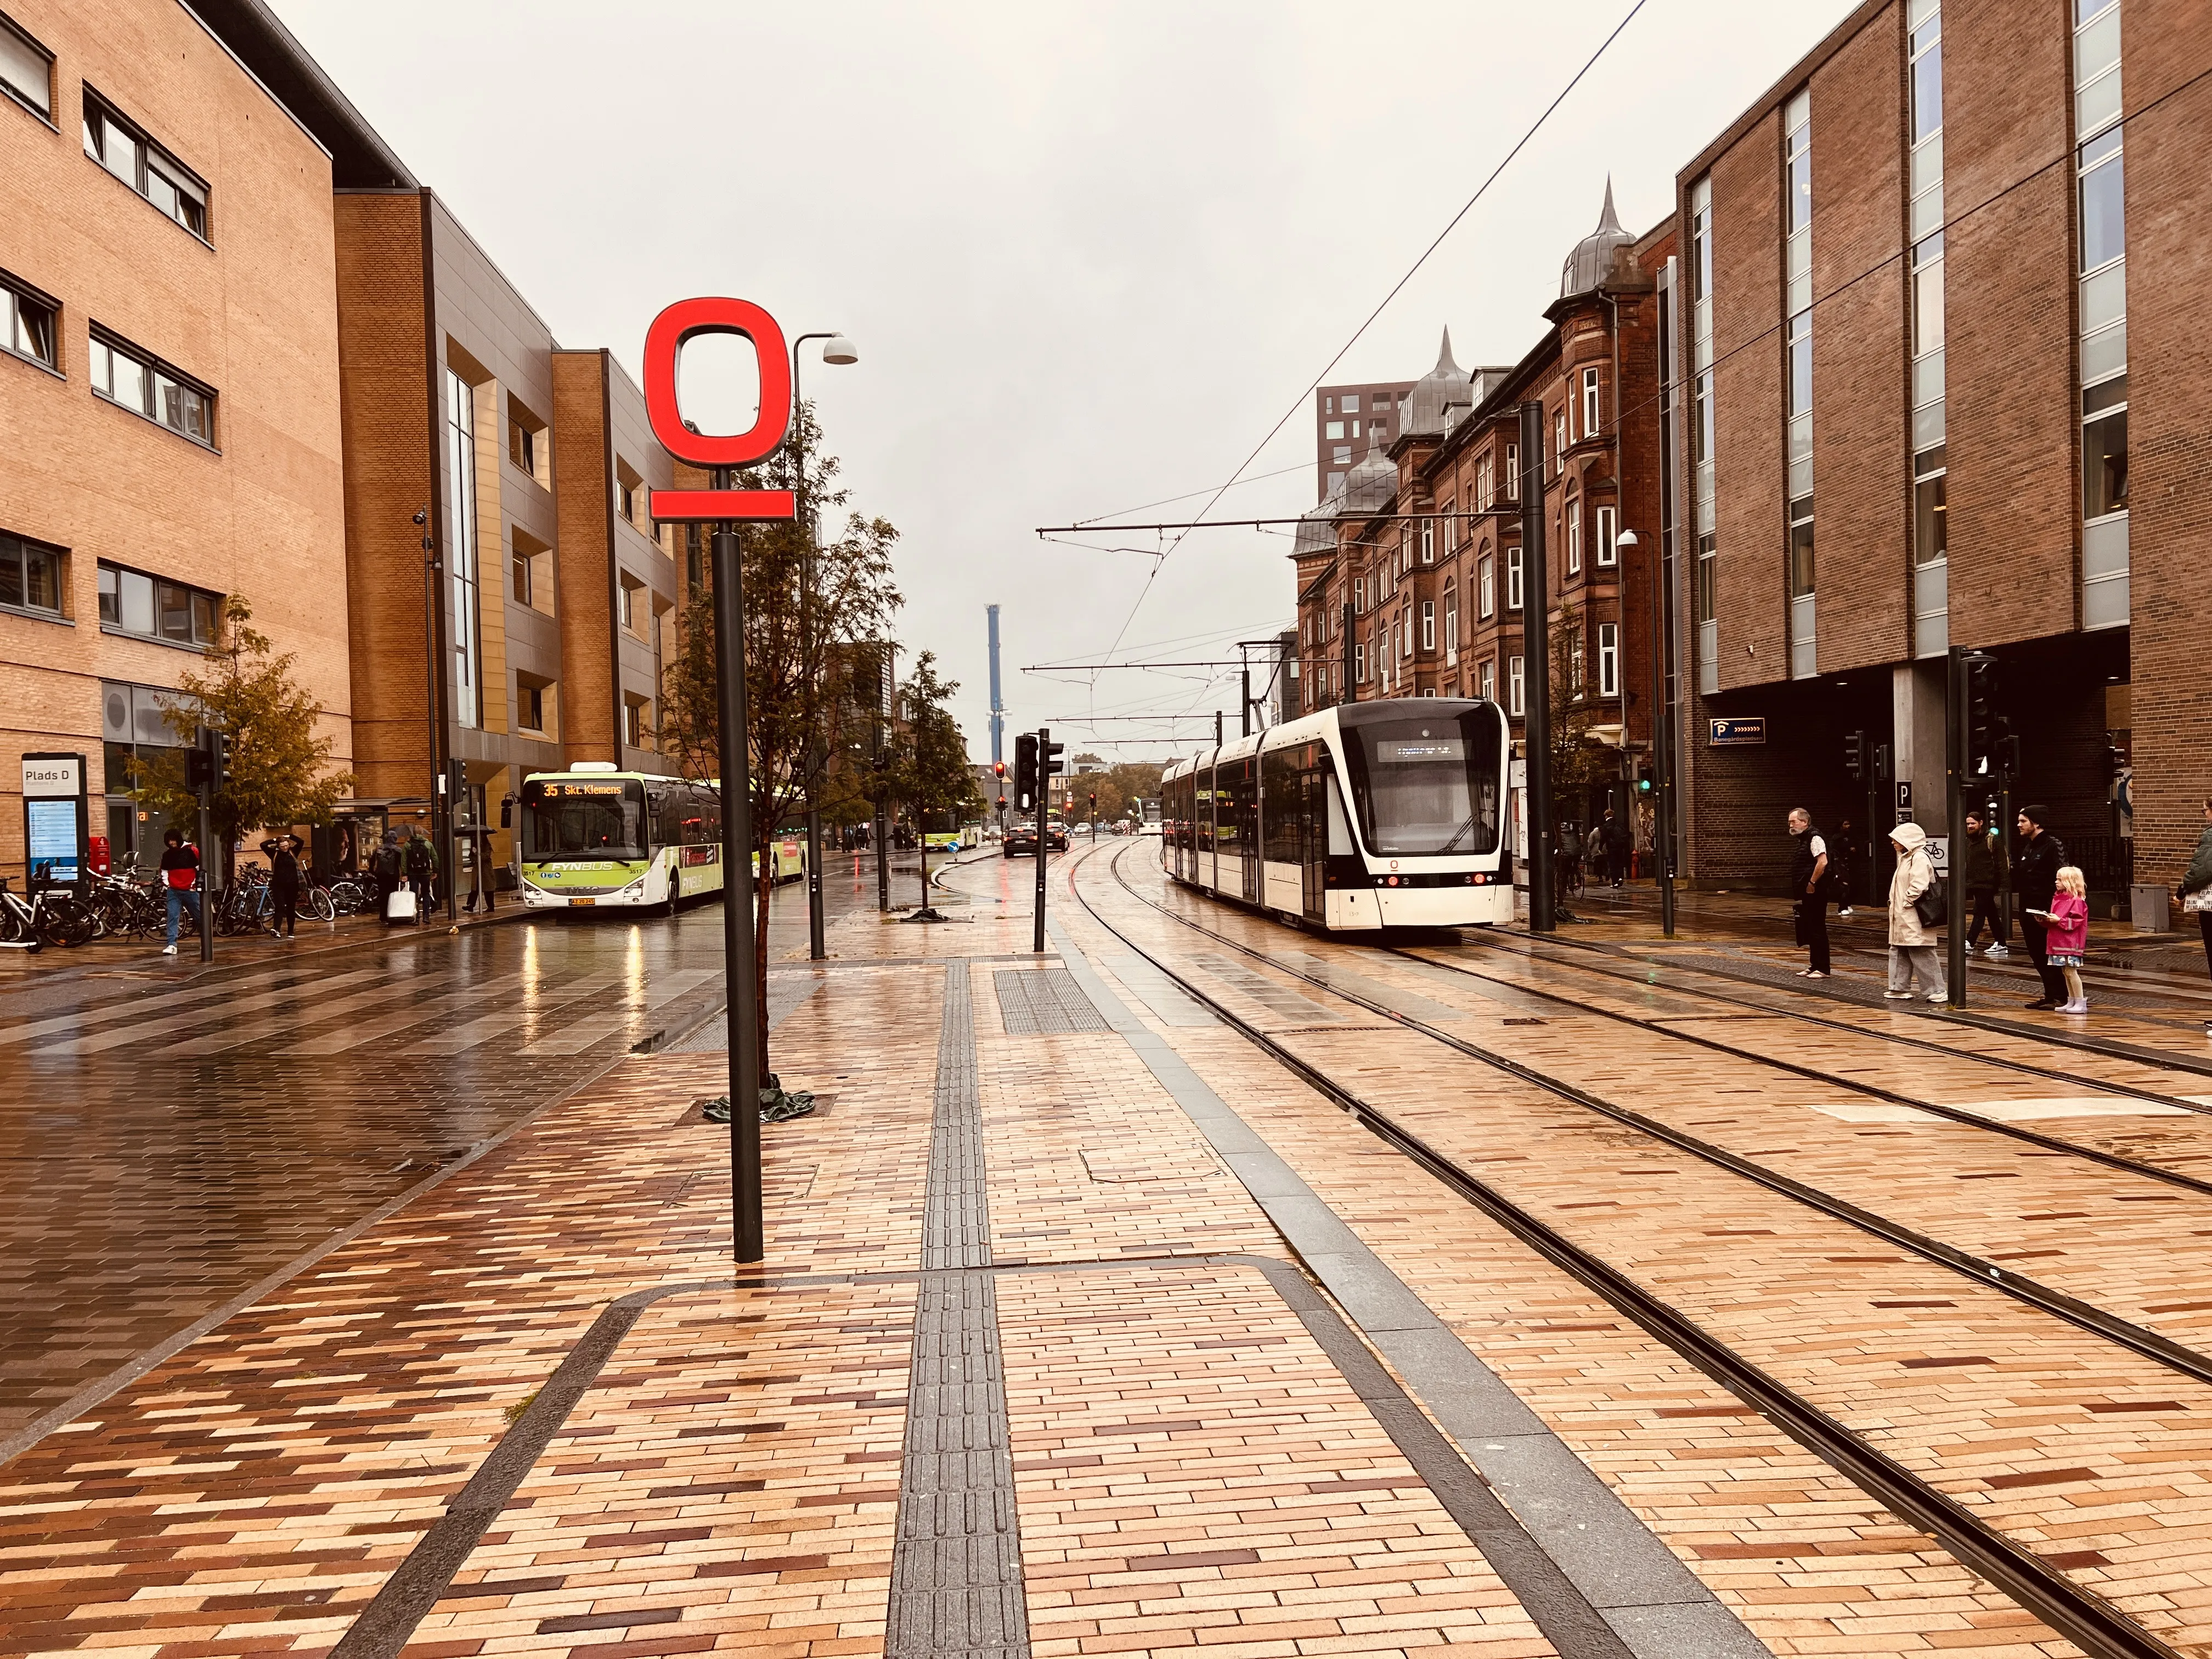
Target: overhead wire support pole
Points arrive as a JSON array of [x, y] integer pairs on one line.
[[1044, 827], [1535, 632]]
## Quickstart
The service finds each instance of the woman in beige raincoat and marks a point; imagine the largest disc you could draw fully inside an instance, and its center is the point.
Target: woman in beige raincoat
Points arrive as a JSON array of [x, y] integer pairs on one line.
[[1911, 947]]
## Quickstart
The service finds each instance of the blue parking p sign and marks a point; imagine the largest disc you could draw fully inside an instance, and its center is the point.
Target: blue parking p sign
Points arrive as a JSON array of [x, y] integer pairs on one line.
[[1738, 730]]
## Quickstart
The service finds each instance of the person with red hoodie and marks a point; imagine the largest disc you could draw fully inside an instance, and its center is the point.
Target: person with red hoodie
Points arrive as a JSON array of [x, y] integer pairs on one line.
[[2066, 926], [181, 877]]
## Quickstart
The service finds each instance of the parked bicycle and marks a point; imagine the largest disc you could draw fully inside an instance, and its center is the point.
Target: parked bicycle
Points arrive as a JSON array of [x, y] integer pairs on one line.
[[45, 915]]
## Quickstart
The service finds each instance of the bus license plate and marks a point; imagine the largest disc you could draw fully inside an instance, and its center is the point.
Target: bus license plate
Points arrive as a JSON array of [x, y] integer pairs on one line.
[[583, 901]]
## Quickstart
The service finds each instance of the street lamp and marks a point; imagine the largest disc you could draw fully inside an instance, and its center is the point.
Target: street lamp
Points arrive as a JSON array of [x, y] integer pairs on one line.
[[1659, 613], [836, 348]]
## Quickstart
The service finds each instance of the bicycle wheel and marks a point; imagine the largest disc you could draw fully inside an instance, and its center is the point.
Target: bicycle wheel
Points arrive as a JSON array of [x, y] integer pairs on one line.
[[65, 921], [315, 905]]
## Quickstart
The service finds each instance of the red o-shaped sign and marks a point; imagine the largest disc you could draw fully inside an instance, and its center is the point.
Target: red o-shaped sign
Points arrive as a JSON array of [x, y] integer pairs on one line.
[[665, 340]]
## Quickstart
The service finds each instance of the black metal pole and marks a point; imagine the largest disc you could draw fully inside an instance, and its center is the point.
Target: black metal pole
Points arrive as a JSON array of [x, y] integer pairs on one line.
[[1244, 706], [1217, 728], [748, 1233], [212, 744], [1043, 827], [1955, 829], [1536, 669], [1662, 734]]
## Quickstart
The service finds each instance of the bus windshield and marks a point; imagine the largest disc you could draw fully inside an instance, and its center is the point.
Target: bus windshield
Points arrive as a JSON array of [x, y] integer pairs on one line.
[[582, 818], [1427, 784]]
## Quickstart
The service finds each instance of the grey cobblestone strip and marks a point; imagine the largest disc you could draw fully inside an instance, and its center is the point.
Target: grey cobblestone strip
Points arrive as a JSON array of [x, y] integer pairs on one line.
[[1043, 1001], [956, 1566], [1582, 1531]]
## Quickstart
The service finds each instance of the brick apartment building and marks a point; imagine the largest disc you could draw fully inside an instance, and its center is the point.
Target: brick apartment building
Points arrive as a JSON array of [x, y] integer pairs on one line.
[[1349, 421], [1424, 542], [1942, 285], [169, 399], [249, 380]]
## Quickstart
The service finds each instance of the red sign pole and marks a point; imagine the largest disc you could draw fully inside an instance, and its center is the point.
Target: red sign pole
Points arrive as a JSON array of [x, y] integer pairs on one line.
[[725, 507]]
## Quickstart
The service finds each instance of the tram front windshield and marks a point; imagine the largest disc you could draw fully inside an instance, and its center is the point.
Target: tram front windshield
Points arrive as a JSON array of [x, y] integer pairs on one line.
[[575, 819], [1427, 784]]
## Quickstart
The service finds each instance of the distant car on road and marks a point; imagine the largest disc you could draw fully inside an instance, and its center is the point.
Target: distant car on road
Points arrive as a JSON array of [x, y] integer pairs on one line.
[[1022, 840]]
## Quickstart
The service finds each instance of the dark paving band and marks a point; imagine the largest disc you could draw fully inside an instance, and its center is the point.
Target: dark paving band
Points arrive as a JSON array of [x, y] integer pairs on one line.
[[956, 1561]]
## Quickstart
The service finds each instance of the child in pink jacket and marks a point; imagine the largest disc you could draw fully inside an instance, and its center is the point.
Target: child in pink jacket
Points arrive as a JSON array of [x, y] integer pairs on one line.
[[2066, 938]]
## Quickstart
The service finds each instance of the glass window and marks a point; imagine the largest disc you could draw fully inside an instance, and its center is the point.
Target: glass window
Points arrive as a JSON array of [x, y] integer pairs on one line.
[[1607, 543], [2104, 223], [148, 168], [26, 325], [131, 602], [1348, 404], [1559, 441], [1927, 91], [1608, 659], [31, 575], [1333, 431], [1574, 511], [1801, 547], [1428, 625], [2105, 465], [1928, 520], [1591, 421], [1425, 784], [146, 387], [1516, 684], [1513, 579], [137, 604], [1801, 363], [583, 818], [27, 70], [1486, 585], [1513, 473], [173, 606]]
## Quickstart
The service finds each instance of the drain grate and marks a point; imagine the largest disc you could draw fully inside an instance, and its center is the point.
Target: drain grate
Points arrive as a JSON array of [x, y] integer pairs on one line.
[[1044, 1002]]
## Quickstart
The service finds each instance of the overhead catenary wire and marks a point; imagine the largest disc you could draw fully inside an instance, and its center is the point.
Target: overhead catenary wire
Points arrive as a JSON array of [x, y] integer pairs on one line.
[[1396, 287]]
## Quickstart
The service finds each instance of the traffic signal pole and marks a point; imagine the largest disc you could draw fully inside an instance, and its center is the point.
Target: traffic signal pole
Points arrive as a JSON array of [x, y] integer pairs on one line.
[[213, 744], [1955, 776], [1044, 823]]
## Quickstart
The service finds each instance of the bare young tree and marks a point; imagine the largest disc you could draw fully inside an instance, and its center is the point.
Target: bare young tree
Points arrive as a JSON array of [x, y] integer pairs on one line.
[[807, 603], [930, 772]]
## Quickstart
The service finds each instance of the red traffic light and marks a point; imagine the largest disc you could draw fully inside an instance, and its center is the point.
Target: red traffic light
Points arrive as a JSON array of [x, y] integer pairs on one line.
[[1002, 803], [999, 769]]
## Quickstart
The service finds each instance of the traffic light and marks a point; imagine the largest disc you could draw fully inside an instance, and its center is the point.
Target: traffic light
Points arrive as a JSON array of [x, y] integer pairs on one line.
[[1025, 772], [199, 768], [1855, 755], [998, 771], [2006, 757], [1645, 782], [1002, 799], [1053, 767], [1982, 732], [1094, 798]]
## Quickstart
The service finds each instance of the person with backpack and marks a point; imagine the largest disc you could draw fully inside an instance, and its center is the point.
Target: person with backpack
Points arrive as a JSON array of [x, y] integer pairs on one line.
[[2035, 866], [1911, 945], [422, 871], [1978, 873], [387, 868], [283, 855], [1808, 891], [181, 880]]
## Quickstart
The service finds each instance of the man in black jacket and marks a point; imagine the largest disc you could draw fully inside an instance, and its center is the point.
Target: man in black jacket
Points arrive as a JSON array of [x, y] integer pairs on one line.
[[1809, 890], [2035, 868]]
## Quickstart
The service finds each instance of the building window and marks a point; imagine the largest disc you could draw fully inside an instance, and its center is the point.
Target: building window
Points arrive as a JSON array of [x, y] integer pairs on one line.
[[1328, 405], [1591, 423], [27, 72], [144, 166], [1608, 659], [1428, 624], [461, 544], [146, 385], [1428, 541], [627, 497], [1359, 596], [1359, 661], [1513, 578], [530, 707], [32, 577], [1451, 623], [1801, 547], [1486, 682], [634, 724], [1516, 685], [1929, 535], [1513, 473], [1451, 530], [2105, 449], [132, 602], [1574, 511], [633, 608], [1608, 548], [27, 321], [1559, 443], [1486, 585], [1574, 654], [1334, 432], [1483, 472], [1348, 404], [1341, 456]]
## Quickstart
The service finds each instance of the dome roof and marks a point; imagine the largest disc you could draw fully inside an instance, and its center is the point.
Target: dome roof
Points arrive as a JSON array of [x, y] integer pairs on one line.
[[1369, 486], [1439, 397], [1592, 262], [1316, 531]]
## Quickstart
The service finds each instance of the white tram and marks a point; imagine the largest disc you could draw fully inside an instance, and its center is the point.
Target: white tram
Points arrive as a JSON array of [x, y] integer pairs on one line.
[[1387, 814]]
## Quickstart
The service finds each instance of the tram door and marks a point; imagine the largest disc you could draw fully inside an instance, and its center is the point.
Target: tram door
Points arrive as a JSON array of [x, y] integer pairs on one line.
[[1244, 794], [1313, 839]]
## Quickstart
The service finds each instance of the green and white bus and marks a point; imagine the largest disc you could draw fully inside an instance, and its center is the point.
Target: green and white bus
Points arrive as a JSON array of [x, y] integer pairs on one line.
[[595, 836]]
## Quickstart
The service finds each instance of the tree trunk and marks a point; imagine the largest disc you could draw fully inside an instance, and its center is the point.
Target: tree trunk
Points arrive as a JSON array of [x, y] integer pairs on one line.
[[924, 869]]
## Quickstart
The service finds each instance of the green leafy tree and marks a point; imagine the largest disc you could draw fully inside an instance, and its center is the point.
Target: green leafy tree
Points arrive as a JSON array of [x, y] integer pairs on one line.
[[279, 772], [931, 773], [807, 602], [1579, 762]]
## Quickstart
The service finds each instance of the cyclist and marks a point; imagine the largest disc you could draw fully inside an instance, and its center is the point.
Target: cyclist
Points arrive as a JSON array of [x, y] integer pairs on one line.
[[180, 875]]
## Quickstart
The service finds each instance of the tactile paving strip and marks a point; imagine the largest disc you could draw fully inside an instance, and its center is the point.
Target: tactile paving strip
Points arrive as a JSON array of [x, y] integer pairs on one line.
[[1034, 1002], [955, 1566]]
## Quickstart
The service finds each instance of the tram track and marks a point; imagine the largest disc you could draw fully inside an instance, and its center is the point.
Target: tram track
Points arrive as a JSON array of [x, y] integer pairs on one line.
[[2078, 1612]]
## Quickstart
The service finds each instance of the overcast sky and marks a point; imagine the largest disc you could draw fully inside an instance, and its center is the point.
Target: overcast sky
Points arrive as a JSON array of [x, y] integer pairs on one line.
[[1089, 255]]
